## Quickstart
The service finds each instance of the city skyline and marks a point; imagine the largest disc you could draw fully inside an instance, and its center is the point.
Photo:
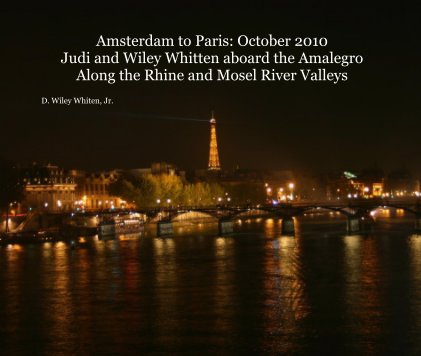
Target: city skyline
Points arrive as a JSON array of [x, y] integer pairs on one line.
[[207, 177]]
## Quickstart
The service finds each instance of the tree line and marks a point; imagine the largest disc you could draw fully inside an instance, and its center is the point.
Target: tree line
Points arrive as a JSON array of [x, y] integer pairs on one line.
[[165, 190]]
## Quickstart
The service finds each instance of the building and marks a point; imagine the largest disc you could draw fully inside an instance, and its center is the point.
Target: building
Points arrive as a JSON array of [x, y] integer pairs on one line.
[[400, 182], [93, 191], [156, 169], [48, 187], [280, 185], [367, 183]]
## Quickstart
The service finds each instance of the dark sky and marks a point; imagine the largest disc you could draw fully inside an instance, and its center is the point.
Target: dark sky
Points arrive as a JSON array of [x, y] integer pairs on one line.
[[372, 119]]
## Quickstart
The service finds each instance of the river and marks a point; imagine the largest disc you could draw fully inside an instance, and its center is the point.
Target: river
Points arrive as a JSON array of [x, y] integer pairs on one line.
[[253, 292]]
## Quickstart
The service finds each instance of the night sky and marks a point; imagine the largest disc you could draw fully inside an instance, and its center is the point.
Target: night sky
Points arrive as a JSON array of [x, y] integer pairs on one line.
[[373, 119]]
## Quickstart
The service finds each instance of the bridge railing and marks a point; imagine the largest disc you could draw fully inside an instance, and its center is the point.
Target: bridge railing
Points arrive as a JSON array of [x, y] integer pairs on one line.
[[341, 203]]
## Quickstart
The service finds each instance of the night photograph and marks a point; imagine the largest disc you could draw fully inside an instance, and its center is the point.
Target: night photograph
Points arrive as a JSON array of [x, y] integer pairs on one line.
[[210, 179]]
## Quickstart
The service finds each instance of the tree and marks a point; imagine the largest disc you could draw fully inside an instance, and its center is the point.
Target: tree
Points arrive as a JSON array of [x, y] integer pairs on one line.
[[131, 189], [124, 188], [168, 187], [149, 190], [10, 188], [156, 190]]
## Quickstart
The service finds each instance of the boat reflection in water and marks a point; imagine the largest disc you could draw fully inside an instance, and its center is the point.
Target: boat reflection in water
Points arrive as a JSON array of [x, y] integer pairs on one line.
[[120, 224]]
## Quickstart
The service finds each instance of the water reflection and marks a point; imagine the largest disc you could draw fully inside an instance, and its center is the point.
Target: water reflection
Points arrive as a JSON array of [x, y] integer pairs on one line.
[[252, 292], [165, 284], [285, 302], [223, 294], [10, 291], [379, 291], [415, 259], [353, 265], [55, 287], [363, 282]]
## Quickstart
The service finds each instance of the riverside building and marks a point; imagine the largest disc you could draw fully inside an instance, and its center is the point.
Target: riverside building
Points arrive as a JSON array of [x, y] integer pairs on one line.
[[48, 187]]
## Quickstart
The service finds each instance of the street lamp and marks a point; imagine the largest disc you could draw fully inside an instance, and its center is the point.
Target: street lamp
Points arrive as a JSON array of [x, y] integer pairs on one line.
[[366, 191], [291, 188], [280, 194], [268, 193]]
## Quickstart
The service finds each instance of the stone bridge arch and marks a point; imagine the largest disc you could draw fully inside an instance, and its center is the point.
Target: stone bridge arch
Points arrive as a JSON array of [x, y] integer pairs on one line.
[[249, 213], [193, 216]]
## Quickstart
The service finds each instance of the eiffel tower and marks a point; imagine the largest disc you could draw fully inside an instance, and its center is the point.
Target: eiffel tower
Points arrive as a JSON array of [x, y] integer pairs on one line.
[[213, 164]]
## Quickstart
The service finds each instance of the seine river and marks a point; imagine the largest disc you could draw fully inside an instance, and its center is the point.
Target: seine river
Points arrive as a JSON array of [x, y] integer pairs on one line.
[[254, 292]]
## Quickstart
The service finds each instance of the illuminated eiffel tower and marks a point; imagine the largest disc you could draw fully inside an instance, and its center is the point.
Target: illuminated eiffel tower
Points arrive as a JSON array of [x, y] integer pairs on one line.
[[213, 164]]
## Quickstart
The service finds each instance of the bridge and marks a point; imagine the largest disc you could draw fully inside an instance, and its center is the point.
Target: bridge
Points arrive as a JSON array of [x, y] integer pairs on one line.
[[357, 212]]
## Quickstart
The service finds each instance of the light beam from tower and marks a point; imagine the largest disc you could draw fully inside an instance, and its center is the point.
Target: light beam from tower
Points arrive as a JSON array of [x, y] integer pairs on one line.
[[213, 164]]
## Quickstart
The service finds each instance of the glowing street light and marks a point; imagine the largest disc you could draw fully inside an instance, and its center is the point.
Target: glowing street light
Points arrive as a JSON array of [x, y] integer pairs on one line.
[[280, 194], [291, 187]]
